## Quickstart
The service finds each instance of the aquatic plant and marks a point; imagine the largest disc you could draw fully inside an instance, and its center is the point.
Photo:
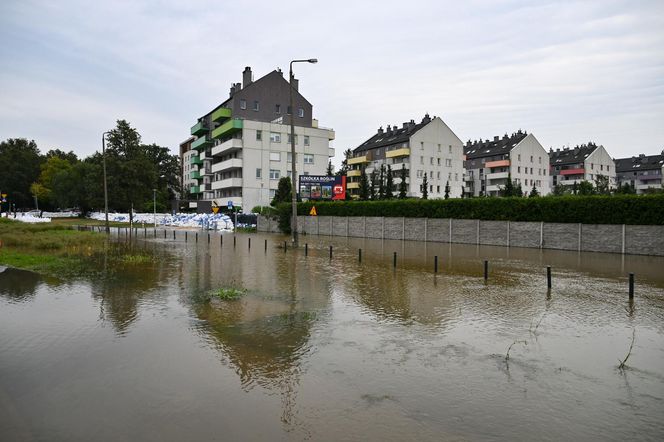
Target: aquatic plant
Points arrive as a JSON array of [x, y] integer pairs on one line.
[[623, 365]]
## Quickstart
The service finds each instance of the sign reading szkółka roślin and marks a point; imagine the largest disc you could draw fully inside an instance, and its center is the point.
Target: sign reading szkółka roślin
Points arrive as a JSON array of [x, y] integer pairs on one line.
[[321, 187]]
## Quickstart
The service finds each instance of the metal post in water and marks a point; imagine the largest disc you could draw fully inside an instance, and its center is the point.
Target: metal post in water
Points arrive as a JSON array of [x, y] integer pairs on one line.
[[284, 246], [548, 277], [631, 286], [250, 243], [330, 252], [435, 264], [394, 260], [266, 245], [306, 249], [359, 255], [186, 234], [208, 238], [486, 269], [234, 241], [164, 233], [196, 236], [173, 235]]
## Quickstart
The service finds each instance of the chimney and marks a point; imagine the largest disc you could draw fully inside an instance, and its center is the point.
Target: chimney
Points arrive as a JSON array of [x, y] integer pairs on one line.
[[380, 130], [238, 86], [395, 128], [232, 92], [246, 77], [426, 118], [405, 125], [495, 139]]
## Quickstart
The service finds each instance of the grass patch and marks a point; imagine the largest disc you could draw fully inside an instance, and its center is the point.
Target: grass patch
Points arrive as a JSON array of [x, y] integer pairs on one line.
[[245, 229], [227, 293], [136, 259]]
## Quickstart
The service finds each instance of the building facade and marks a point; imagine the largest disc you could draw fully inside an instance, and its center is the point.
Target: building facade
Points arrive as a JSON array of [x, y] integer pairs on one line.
[[429, 147], [242, 147], [642, 173], [490, 163], [569, 166]]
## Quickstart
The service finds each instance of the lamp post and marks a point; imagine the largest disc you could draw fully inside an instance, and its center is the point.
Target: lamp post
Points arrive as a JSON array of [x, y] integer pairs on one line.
[[103, 156], [292, 130]]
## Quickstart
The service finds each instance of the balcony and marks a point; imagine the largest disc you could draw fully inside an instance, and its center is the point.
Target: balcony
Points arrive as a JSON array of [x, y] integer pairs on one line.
[[352, 185], [201, 143], [229, 127], [233, 163], [499, 163], [194, 189], [199, 129], [493, 188], [221, 114], [573, 172], [195, 175], [497, 175], [330, 152], [404, 152], [227, 183], [469, 178], [358, 160], [353, 173], [195, 161], [227, 146]]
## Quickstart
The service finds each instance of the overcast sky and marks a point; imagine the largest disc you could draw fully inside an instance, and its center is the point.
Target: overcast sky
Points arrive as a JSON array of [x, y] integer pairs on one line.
[[569, 72]]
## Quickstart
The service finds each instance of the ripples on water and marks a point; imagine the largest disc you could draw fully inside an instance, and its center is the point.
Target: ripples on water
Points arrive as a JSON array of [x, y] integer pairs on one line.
[[333, 349]]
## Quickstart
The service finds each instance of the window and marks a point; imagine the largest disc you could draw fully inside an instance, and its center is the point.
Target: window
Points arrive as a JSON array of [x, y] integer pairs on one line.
[[421, 145], [518, 157], [438, 175], [518, 169], [259, 135], [259, 172], [431, 188], [531, 171], [592, 166], [288, 110], [448, 162], [421, 160], [289, 158], [243, 104], [456, 176], [437, 189], [277, 108], [275, 137], [275, 156], [540, 160], [531, 158], [450, 148], [300, 113], [306, 140], [274, 174], [431, 174], [256, 106], [289, 174], [308, 158], [289, 139], [419, 174], [439, 161], [431, 161], [439, 148], [272, 193], [601, 167]]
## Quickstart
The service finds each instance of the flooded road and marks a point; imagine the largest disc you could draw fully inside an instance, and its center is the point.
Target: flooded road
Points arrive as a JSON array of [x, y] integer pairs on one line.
[[324, 348]]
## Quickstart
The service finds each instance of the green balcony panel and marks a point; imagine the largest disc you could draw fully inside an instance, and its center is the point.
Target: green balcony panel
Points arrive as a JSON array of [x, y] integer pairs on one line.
[[195, 175], [194, 189], [199, 129], [221, 114], [201, 143], [196, 160], [227, 128]]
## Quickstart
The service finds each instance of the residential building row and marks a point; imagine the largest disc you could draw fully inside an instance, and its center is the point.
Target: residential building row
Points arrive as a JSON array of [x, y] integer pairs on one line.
[[238, 151]]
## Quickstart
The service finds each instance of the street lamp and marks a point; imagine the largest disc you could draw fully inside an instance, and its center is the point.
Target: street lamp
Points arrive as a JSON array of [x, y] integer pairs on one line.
[[292, 130], [103, 156]]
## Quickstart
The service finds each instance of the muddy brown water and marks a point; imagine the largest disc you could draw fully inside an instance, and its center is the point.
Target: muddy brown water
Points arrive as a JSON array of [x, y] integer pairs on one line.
[[333, 349]]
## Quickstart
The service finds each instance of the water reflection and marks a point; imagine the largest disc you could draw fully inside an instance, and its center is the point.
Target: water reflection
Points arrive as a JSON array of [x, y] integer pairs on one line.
[[18, 285]]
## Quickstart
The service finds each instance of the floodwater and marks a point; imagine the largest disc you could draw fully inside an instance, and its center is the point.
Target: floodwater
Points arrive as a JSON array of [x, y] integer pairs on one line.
[[333, 349]]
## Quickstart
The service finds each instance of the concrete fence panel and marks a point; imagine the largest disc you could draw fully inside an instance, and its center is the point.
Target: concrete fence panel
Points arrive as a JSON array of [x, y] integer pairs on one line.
[[339, 225], [374, 227], [438, 229], [561, 236], [601, 238], [493, 233], [644, 240], [464, 231], [356, 226], [393, 228], [524, 234], [414, 228]]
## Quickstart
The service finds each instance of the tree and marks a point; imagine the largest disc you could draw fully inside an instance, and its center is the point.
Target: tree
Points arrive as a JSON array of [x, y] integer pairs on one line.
[[381, 183], [447, 190], [602, 185], [533, 192], [575, 188], [283, 193], [389, 186], [508, 190], [626, 189], [559, 190], [586, 188], [55, 167], [364, 186], [518, 190], [20, 167], [372, 187], [67, 156], [330, 169], [425, 187], [344, 164], [403, 186]]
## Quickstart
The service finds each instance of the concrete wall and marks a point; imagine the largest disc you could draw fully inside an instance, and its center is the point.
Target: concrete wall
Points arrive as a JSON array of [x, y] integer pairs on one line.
[[607, 238]]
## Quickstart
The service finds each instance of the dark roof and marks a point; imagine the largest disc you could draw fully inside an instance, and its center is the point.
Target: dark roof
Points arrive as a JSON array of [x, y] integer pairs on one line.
[[497, 146], [392, 135], [573, 155], [642, 162]]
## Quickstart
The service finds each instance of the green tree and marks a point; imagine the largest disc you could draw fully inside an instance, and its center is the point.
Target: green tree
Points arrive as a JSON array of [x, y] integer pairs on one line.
[[364, 186], [344, 164], [19, 168], [54, 168], [586, 188], [518, 190], [602, 185], [168, 183], [508, 190], [330, 169], [67, 156], [575, 188], [372, 187], [283, 193], [425, 187], [389, 186], [447, 190], [533, 192], [403, 186], [381, 183], [626, 189], [559, 190]]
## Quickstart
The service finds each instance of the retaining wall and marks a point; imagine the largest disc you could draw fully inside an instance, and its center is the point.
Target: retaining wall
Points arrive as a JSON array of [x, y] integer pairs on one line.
[[608, 238]]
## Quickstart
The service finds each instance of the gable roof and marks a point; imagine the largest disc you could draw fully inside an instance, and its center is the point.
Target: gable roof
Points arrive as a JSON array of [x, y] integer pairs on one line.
[[392, 135], [642, 162], [499, 146], [574, 155]]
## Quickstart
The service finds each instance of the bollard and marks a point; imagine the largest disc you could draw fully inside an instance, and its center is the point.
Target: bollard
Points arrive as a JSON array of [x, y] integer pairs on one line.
[[186, 234], [164, 233], [394, 260], [234, 241], [196, 236], [631, 286], [306, 249], [249, 243], [330, 252], [173, 235], [435, 264], [266, 245], [208, 238], [145, 232], [486, 269], [284, 246], [359, 255], [221, 240], [548, 277]]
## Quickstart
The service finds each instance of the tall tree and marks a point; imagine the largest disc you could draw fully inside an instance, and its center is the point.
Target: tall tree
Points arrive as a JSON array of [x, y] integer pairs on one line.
[[389, 184], [19, 168], [602, 185], [559, 190], [508, 190], [67, 156], [372, 187], [403, 187], [330, 169], [533, 192], [381, 183], [43, 188], [425, 187], [518, 190], [447, 190], [586, 188], [344, 164], [283, 193], [575, 188], [364, 186]]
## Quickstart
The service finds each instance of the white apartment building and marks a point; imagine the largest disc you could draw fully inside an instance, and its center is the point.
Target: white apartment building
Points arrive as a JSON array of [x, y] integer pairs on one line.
[[489, 163], [242, 147], [429, 147], [569, 166]]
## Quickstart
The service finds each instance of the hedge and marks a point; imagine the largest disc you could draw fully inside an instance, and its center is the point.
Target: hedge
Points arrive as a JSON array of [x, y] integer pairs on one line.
[[596, 209]]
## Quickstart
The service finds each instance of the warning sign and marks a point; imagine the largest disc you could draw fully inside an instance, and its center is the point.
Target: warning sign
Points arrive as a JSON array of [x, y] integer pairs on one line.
[[313, 212], [215, 209]]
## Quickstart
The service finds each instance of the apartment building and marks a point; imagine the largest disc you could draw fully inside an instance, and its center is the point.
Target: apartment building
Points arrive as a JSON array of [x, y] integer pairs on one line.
[[242, 146], [643, 172], [489, 163], [428, 147], [186, 166], [581, 163]]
